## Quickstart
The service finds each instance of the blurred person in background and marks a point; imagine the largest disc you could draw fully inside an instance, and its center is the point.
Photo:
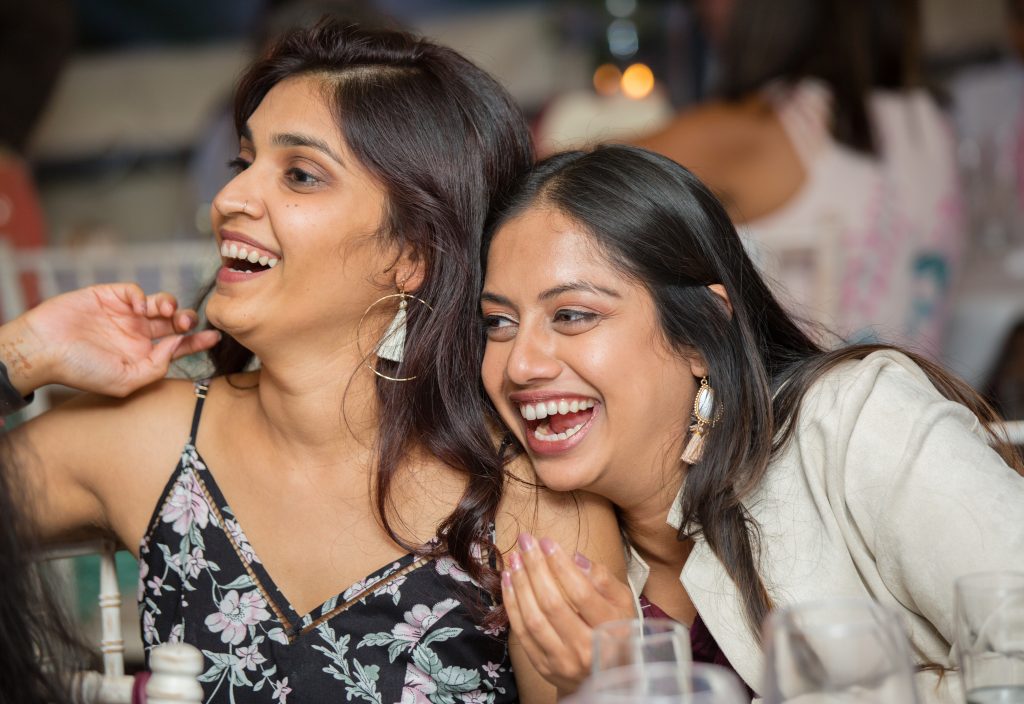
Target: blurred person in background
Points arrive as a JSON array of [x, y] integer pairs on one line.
[[825, 147], [28, 75]]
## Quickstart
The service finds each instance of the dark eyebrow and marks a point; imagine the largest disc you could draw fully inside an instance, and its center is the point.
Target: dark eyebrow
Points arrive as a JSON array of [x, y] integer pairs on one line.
[[290, 139], [495, 298], [584, 286]]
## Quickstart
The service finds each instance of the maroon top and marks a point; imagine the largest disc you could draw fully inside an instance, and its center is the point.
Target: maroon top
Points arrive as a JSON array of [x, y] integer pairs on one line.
[[702, 643]]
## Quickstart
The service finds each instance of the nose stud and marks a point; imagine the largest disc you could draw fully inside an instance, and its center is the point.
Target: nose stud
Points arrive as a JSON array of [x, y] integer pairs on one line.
[[244, 206]]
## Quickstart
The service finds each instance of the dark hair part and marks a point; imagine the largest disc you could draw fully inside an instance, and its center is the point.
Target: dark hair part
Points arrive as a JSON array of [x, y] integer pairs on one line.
[[447, 143], [851, 45], [661, 227], [40, 647]]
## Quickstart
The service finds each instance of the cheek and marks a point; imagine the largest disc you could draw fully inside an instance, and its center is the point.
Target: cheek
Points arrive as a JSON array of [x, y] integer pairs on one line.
[[492, 371]]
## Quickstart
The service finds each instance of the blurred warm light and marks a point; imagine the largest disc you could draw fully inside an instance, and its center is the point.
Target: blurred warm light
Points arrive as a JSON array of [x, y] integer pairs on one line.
[[606, 79], [638, 81]]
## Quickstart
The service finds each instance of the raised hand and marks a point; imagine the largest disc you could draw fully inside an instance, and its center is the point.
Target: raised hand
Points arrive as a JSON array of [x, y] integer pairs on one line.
[[554, 602], [110, 339]]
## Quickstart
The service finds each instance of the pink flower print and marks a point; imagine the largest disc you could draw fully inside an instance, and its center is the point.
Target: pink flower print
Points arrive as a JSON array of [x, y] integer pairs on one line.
[[421, 618], [187, 506], [492, 669], [195, 563], [236, 614], [248, 554], [448, 566], [155, 584], [177, 634], [149, 632], [250, 657], [143, 572], [281, 691], [418, 686], [474, 697]]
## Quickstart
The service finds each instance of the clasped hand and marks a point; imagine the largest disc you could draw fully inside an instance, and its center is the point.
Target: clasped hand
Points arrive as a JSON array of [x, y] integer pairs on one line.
[[554, 601]]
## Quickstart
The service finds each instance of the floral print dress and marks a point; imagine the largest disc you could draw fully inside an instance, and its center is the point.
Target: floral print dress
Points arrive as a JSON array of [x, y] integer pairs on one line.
[[408, 633]]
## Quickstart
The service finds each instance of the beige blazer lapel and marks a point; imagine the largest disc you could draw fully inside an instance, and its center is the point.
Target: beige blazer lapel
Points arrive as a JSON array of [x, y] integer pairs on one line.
[[721, 609]]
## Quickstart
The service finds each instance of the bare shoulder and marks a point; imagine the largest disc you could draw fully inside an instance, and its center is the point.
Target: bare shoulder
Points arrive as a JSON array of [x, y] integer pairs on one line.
[[578, 521], [102, 461]]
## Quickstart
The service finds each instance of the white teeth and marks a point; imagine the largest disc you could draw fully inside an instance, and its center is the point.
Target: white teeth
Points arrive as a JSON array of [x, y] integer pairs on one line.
[[253, 257], [543, 409], [263, 260], [272, 262], [243, 253], [564, 435], [225, 249], [233, 251]]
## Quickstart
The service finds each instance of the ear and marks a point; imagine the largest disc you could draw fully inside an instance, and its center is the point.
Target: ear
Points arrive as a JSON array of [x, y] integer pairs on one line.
[[409, 270], [719, 290]]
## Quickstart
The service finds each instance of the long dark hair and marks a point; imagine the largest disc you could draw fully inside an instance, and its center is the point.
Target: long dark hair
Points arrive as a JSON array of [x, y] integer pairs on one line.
[[447, 143], [851, 45], [39, 646], [661, 227]]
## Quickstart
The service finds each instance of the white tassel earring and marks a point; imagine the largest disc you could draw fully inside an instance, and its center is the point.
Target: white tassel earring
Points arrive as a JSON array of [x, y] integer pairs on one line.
[[705, 415], [392, 344]]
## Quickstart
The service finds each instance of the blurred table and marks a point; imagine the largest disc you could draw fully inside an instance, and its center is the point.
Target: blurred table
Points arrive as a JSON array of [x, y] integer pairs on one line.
[[988, 305]]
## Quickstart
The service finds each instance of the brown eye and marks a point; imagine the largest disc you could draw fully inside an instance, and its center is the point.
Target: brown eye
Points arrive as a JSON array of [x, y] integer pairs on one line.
[[500, 328]]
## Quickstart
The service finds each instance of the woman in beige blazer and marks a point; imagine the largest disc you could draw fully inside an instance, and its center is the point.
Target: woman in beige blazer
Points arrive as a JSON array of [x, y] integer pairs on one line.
[[635, 352]]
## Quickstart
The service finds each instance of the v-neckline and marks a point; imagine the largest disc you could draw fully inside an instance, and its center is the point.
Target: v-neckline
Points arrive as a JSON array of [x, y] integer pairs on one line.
[[294, 623]]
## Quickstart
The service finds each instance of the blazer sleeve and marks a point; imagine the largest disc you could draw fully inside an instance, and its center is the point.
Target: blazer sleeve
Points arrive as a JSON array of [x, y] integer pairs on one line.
[[929, 497]]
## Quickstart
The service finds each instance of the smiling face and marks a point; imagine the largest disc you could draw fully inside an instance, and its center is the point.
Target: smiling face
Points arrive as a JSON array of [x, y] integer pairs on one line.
[[576, 362], [297, 227]]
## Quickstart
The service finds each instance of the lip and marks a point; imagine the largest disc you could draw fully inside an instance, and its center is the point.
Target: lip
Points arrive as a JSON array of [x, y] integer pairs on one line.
[[521, 397], [230, 236], [557, 447]]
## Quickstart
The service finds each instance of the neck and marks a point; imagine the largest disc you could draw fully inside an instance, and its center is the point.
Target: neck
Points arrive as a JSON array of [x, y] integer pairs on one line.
[[643, 510], [317, 406]]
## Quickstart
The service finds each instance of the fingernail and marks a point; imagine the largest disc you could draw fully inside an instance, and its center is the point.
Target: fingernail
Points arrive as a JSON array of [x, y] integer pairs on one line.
[[548, 546], [581, 560], [515, 562], [506, 580], [525, 542]]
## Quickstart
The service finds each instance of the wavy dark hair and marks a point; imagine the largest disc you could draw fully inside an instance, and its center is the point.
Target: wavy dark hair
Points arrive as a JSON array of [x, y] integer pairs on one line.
[[447, 143], [851, 45], [662, 228], [40, 647]]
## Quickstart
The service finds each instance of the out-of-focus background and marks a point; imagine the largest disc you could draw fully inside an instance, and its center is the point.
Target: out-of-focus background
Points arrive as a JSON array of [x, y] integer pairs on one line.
[[873, 157]]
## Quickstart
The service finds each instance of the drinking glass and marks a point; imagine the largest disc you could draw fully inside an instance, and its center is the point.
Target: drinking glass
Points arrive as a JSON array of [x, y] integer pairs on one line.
[[635, 641], [990, 636], [661, 683], [843, 650]]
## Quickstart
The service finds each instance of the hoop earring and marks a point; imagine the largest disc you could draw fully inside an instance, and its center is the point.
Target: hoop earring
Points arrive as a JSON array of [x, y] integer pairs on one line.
[[391, 345], [705, 415]]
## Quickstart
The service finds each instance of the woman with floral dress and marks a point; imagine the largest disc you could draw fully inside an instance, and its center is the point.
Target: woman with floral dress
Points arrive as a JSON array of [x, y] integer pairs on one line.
[[334, 525]]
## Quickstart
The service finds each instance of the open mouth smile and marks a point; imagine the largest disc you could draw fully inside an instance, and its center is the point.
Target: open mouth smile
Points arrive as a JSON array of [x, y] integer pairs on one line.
[[557, 424], [242, 261]]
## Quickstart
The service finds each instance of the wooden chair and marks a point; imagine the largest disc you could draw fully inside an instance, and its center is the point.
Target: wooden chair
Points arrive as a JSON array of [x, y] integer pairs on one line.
[[174, 668]]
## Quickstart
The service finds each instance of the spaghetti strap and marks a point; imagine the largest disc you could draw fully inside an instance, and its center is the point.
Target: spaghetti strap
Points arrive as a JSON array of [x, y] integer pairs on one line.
[[201, 387]]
